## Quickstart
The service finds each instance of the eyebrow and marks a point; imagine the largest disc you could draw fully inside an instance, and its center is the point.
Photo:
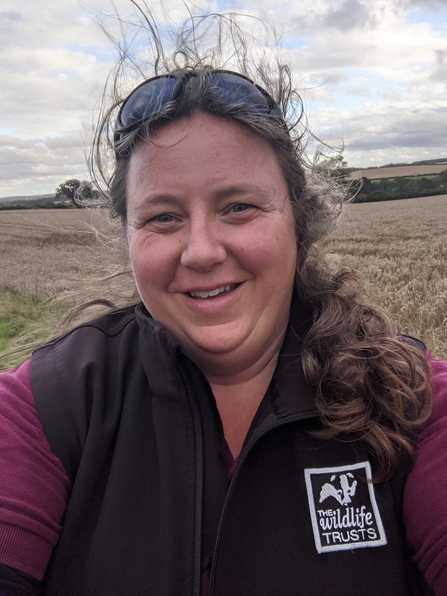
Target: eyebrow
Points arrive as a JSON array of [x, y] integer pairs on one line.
[[154, 201], [235, 190], [242, 189]]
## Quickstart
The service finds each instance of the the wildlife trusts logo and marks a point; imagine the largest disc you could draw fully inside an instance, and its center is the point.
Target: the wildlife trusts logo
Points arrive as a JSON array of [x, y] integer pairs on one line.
[[343, 508]]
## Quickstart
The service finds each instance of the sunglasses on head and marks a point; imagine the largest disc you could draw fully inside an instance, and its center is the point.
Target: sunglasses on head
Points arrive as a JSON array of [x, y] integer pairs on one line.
[[152, 95]]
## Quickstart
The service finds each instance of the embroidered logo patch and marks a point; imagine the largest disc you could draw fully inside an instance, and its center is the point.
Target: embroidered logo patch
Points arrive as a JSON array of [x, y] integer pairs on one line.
[[343, 508]]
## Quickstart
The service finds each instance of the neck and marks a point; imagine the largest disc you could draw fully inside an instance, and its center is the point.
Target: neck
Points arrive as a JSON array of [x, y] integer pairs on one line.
[[239, 380], [241, 365], [238, 398]]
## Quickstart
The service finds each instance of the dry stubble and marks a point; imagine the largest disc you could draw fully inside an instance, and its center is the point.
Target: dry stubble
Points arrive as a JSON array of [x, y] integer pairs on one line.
[[399, 247], [47, 251]]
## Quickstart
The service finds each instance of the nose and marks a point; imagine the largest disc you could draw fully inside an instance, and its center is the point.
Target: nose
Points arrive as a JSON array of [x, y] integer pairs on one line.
[[204, 247]]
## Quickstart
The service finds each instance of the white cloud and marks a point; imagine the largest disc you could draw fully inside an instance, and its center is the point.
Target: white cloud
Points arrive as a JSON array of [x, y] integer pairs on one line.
[[375, 76], [7, 141]]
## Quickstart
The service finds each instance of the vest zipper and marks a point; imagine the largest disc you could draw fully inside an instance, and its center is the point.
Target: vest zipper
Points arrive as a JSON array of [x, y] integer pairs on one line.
[[242, 458], [199, 507], [198, 433]]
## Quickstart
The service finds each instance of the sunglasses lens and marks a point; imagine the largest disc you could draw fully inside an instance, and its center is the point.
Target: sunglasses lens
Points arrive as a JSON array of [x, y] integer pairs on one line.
[[150, 97], [233, 89], [147, 100]]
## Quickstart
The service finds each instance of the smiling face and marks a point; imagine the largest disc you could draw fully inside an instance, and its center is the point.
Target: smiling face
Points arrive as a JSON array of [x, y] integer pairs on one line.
[[212, 240]]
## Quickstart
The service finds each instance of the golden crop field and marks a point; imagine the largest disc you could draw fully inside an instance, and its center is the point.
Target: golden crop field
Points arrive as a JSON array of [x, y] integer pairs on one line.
[[400, 247], [47, 250]]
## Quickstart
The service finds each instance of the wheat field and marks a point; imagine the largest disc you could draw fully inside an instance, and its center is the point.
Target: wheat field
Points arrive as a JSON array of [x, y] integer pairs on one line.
[[399, 247], [48, 250]]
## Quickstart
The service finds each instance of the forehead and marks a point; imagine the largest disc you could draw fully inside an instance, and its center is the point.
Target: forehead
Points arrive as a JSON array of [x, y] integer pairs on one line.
[[206, 152]]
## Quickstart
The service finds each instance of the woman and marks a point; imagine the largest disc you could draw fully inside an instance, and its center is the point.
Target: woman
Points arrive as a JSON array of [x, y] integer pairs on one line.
[[221, 436]]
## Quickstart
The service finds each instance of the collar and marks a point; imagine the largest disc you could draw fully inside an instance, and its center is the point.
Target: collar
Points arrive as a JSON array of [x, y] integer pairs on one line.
[[288, 394], [291, 393]]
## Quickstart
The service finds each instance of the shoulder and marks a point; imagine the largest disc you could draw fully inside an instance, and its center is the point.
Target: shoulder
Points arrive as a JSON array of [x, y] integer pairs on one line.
[[434, 430], [34, 486], [436, 426], [425, 499], [439, 381], [108, 325], [17, 407], [87, 343], [78, 371]]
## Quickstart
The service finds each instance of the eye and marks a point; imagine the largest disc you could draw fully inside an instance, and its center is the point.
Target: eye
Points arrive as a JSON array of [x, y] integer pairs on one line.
[[163, 223], [163, 218], [240, 207]]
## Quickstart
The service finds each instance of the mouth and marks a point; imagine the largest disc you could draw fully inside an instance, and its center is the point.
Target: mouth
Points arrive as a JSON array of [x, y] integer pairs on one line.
[[212, 293]]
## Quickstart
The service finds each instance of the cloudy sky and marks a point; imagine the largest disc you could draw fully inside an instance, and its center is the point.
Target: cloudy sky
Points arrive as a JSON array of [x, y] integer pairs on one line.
[[374, 75]]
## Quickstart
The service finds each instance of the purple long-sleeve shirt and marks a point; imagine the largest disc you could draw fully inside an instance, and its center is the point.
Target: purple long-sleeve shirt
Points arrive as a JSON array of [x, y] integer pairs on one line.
[[34, 486], [425, 499]]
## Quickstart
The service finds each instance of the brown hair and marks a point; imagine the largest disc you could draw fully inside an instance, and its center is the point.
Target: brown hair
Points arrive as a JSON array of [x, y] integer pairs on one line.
[[372, 384]]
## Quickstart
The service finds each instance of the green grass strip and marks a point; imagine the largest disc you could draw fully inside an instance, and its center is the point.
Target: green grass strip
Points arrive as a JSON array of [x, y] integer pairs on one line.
[[25, 318]]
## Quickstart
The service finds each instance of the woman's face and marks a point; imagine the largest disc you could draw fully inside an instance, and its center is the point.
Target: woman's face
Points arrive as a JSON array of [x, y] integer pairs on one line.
[[212, 239]]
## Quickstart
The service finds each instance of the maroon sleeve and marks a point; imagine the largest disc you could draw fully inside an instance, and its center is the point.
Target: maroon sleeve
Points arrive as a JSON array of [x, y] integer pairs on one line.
[[425, 498], [34, 486]]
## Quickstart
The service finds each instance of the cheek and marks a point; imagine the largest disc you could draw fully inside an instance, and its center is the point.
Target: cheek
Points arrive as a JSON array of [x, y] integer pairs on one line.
[[272, 261], [151, 262], [275, 248]]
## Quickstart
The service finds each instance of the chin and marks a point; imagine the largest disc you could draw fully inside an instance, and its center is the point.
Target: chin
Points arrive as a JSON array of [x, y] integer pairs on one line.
[[219, 345], [216, 341]]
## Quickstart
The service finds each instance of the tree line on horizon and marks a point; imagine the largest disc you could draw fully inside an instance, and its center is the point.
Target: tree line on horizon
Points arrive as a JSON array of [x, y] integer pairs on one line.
[[82, 193], [401, 187], [386, 189]]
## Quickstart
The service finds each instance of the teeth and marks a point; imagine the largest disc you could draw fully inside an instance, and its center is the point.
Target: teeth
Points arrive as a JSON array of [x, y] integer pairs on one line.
[[211, 293]]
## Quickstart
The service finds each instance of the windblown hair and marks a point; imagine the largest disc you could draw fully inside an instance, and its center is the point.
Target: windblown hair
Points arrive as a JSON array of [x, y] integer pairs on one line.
[[372, 384]]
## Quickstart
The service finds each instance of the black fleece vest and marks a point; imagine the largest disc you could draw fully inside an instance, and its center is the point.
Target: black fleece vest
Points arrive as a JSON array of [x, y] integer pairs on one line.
[[135, 424]]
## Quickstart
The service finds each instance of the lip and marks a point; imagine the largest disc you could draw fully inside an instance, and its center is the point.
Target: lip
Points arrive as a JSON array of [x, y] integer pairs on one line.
[[215, 303], [223, 289], [210, 288]]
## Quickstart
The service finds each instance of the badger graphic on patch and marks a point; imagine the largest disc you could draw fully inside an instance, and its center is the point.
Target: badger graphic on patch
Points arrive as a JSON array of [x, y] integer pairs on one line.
[[343, 496], [343, 508]]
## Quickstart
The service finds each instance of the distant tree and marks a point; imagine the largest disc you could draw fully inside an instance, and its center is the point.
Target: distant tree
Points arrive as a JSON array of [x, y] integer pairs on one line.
[[76, 190], [339, 166], [68, 189], [366, 185], [87, 191], [335, 166], [443, 178]]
